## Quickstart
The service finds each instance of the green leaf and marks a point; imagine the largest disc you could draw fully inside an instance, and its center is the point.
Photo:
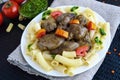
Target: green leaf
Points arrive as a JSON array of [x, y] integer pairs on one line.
[[43, 17], [97, 40], [100, 42], [47, 12], [74, 8], [102, 32]]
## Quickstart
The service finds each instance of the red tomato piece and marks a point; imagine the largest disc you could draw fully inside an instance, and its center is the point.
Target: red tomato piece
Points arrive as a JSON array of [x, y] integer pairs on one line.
[[55, 14], [18, 1], [91, 25], [81, 51], [1, 18], [10, 9]]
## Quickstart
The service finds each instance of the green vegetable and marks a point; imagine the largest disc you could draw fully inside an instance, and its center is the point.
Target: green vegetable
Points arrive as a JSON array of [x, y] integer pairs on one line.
[[29, 47], [74, 8], [44, 17], [45, 14], [97, 40], [53, 55], [31, 8], [102, 32]]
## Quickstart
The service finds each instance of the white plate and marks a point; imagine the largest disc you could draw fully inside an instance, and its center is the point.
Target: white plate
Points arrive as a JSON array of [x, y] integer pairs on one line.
[[34, 65]]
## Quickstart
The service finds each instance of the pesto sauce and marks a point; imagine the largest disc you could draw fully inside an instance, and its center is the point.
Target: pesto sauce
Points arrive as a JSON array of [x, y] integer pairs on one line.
[[32, 8]]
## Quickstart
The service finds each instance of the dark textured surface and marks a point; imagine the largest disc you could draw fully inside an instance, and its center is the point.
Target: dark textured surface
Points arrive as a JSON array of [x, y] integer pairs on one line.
[[112, 61], [9, 41]]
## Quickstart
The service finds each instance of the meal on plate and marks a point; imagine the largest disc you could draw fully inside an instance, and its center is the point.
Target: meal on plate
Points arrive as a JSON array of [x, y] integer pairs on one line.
[[66, 39]]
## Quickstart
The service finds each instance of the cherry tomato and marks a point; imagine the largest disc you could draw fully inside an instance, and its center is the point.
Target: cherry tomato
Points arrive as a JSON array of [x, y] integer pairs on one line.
[[18, 1], [55, 14], [10, 9], [1, 18], [81, 51]]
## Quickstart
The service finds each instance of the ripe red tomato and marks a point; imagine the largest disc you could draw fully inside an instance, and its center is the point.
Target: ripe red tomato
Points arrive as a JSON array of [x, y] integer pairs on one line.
[[1, 18], [55, 14], [10, 9], [18, 1]]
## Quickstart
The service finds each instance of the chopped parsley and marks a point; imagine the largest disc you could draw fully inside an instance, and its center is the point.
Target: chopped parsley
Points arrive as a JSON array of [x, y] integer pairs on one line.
[[97, 40], [102, 32]]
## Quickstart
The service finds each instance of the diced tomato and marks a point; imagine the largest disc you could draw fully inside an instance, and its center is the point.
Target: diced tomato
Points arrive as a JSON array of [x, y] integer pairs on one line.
[[91, 25], [55, 14], [40, 33], [82, 50]]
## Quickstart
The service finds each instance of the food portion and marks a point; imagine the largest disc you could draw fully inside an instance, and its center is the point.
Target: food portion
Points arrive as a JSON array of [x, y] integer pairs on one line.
[[66, 38], [32, 7]]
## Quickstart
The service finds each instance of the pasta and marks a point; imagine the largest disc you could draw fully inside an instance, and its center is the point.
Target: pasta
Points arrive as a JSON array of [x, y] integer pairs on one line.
[[69, 54], [92, 51], [47, 56], [89, 14], [68, 62], [42, 62], [91, 59], [60, 68], [92, 33], [55, 63], [69, 71]]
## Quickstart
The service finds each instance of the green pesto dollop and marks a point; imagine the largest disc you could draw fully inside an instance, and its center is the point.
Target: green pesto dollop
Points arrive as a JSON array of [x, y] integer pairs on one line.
[[31, 8]]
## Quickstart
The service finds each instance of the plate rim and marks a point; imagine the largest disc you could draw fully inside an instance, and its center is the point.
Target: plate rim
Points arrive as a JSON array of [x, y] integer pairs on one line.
[[63, 75]]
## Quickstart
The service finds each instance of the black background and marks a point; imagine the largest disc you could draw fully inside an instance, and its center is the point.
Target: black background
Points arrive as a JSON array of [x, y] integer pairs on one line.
[[9, 41]]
